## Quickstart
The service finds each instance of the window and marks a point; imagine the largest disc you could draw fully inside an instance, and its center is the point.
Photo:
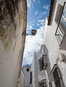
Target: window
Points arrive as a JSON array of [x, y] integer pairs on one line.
[[58, 13], [43, 62], [40, 64], [62, 23], [30, 77], [27, 69], [58, 78], [43, 83], [61, 28]]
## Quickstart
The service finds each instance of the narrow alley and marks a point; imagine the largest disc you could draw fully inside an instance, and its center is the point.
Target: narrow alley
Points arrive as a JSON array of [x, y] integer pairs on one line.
[[32, 43]]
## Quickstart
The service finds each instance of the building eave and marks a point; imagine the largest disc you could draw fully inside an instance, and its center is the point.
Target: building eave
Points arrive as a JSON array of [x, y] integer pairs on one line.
[[24, 30]]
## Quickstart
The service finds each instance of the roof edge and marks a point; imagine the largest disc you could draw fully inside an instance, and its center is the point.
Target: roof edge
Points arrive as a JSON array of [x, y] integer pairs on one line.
[[51, 11]]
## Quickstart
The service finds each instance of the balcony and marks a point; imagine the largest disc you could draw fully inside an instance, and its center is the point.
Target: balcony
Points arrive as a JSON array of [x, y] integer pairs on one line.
[[61, 29]]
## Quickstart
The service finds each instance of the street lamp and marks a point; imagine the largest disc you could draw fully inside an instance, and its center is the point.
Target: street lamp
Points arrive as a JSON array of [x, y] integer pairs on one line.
[[33, 33]]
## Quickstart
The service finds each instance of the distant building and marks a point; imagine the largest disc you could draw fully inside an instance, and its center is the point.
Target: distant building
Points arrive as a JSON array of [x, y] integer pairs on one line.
[[38, 68], [28, 75]]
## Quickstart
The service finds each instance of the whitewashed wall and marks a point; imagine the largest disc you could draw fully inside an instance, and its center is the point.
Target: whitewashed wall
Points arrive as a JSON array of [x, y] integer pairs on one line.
[[11, 40], [22, 80], [37, 75], [27, 76], [54, 51]]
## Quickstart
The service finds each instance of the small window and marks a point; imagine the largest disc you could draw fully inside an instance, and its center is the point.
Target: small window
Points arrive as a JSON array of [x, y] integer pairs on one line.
[[43, 62], [40, 64], [58, 78], [27, 69], [30, 77]]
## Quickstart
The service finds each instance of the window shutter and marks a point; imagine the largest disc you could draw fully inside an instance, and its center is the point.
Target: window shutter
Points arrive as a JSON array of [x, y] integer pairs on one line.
[[58, 13], [40, 64], [45, 61]]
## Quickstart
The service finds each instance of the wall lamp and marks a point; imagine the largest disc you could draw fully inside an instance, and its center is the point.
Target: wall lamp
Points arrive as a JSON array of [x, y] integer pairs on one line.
[[33, 33]]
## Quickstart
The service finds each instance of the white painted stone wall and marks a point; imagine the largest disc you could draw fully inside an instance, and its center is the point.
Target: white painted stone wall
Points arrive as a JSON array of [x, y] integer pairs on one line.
[[33, 72], [27, 76], [11, 41], [37, 75], [22, 80], [54, 51]]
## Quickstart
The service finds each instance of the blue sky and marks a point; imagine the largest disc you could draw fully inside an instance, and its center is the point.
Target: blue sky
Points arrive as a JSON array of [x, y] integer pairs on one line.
[[37, 12]]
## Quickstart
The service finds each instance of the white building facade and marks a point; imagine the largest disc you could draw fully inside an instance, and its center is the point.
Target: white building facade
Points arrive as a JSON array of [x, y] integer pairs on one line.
[[39, 65], [13, 20], [28, 75], [49, 64], [55, 43]]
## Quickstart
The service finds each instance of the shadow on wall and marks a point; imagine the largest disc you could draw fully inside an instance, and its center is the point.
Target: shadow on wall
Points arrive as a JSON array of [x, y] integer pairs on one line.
[[50, 76], [9, 21]]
